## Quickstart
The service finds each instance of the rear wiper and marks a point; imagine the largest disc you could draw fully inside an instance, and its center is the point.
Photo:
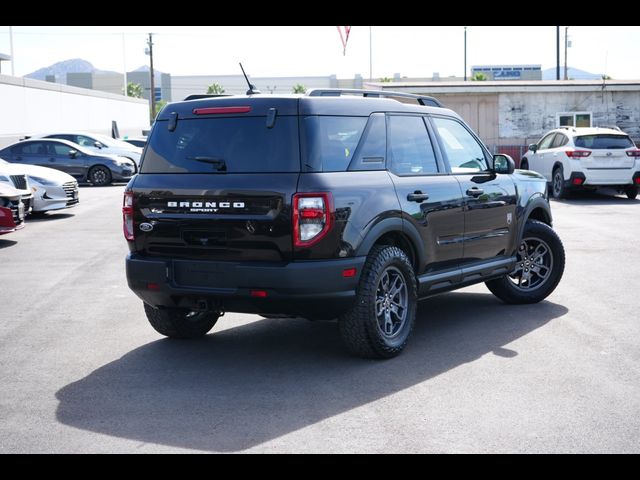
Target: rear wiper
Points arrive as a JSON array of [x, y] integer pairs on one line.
[[219, 163]]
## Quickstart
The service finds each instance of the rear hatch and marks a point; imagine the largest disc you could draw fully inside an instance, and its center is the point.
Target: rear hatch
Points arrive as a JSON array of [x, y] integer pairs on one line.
[[217, 179], [608, 151]]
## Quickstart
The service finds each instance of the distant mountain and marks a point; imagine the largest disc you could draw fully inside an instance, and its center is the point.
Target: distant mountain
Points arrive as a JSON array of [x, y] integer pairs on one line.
[[572, 73], [60, 70]]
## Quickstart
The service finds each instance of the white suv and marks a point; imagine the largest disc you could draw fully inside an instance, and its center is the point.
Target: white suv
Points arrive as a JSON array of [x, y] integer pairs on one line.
[[579, 157]]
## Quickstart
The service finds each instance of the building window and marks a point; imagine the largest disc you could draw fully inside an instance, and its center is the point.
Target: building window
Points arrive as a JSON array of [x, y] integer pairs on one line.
[[573, 119]]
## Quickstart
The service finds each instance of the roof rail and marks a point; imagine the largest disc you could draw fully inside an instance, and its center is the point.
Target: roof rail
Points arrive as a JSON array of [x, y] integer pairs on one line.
[[337, 92], [197, 96], [613, 127], [567, 127]]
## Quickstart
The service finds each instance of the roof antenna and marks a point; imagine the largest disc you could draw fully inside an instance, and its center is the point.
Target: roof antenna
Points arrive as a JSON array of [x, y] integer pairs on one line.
[[252, 88]]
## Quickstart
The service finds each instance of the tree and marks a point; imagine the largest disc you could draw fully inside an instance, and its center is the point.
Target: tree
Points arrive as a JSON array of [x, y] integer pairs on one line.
[[299, 88], [479, 77], [606, 77], [386, 80], [160, 105], [134, 90], [215, 89]]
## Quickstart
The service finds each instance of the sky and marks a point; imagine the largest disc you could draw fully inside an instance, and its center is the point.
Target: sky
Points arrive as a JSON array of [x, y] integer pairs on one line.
[[317, 50]]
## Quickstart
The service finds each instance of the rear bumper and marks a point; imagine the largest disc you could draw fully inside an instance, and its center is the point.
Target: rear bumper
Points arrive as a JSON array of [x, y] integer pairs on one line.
[[312, 289], [612, 177]]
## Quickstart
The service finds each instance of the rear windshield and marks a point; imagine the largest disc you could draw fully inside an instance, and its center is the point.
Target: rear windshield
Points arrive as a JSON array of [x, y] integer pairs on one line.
[[597, 142], [224, 145], [330, 141]]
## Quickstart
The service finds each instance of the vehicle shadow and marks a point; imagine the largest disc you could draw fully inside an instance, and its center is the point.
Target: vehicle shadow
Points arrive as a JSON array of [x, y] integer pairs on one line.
[[602, 196], [246, 385], [48, 216], [7, 243]]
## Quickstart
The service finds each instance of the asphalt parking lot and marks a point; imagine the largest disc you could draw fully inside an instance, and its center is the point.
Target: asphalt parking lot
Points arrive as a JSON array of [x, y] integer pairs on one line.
[[82, 371]]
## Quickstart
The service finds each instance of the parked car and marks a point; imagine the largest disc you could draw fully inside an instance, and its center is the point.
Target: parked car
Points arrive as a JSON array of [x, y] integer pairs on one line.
[[139, 142], [15, 176], [79, 162], [11, 209], [329, 206], [52, 189], [574, 158], [101, 144]]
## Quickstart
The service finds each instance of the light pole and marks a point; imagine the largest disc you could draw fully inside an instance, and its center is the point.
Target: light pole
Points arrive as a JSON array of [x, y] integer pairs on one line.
[[566, 77], [557, 53], [465, 54], [370, 57], [13, 61]]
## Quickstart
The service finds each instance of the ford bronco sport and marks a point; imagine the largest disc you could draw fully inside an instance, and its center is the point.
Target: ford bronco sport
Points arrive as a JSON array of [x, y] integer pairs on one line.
[[336, 204]]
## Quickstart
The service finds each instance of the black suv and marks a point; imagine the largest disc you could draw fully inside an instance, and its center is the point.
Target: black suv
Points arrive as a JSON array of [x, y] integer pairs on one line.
[[328, 205]]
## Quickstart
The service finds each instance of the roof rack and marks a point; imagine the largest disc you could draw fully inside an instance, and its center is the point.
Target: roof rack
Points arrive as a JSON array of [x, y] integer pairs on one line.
[[337, 92], [613, 127], [567, 127], [197, 96]]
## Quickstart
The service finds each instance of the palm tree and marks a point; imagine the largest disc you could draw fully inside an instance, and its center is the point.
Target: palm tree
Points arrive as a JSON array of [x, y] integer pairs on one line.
[[299, 88], [134, 90], [215, 89], [479, 77]]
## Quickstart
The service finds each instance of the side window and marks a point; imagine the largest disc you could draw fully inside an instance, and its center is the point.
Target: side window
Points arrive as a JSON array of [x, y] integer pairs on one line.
[[83, 141], [546, 142], [559, 141], [32, 148], [410, 148], [18, 149], [331, 141], [372, 149], [464, 153], [60, 149]]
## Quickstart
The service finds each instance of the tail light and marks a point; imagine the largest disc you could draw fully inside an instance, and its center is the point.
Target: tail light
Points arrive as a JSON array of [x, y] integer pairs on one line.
[[311, 217], [633, 153], [577, 153], [127, 216]]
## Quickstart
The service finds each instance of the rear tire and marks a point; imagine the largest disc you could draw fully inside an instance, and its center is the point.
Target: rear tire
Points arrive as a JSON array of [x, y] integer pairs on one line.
[[538, 270], [631, 192], [180, 322], [557, 184], [100, 175], [380, 322], [524, 164]]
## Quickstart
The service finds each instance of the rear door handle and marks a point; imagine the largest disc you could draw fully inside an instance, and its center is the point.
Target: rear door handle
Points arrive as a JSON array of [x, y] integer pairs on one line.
[[417, 196], [475, 192]]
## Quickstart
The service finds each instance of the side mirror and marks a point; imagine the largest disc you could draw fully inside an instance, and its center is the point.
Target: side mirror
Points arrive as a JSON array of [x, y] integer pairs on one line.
[[97, 144], [533, 147], [503, 164], [73, 153]]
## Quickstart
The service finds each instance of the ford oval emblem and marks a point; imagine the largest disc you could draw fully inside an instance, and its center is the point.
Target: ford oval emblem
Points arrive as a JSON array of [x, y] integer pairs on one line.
[[146, 227]]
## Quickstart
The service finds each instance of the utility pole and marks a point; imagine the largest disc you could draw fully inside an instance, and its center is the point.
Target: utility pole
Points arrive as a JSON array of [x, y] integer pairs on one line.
[[566, 42], [558, 53], [370, 57], [465, 54], [13, 60], [152, 78], [124, 67]]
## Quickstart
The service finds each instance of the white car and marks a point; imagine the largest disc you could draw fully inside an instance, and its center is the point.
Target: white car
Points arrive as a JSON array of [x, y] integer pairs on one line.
[[16, 177], [580, 157], [52, 189]]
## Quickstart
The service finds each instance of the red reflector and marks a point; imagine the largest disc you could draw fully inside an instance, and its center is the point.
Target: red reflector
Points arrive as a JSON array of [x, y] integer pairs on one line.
[[637, 180], [220, 110], [312, 213], [349, 272], [258, 293], [153, 286], [578, 181]]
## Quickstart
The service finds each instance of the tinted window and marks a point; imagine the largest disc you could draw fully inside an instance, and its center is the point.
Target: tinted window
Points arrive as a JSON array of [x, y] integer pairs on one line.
[[84, 141], [71, 138], [559, 141], [240, 144], [32, 148], [464, 153], [603, 141], [330, 142], [410, 149], [372, 150], [546, 142], [59, 149]]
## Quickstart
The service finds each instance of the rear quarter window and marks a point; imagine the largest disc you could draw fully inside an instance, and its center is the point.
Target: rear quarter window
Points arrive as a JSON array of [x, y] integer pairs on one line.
[[242, 144], [330, 141]]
